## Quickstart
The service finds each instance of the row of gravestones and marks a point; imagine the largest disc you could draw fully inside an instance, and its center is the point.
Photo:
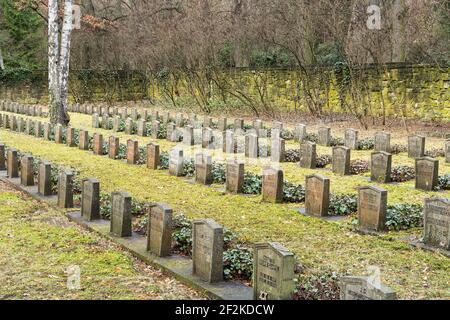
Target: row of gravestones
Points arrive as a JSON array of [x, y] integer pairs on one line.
[[15, 107], [273, 265]]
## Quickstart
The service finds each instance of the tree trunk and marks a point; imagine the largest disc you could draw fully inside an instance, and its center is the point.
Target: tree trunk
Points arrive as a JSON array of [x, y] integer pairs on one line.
[[2, 66], [64, 62]]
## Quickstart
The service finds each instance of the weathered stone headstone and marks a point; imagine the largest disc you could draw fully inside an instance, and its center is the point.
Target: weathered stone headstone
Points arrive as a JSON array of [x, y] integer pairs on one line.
[[134, 114], [273, 272], [317, 197], [58, 134], [324, 136], [203, 169], [351, 139], [13, 164], [222, 125], [153, 153], [124, 114], [179, 120], [188, 135], [447, 151], [159, 235], [83, 140], [341, 160], [37, 129], [207, 122], [238, 124], [98, 144], [171, 128], [90, 199], [277, 150], [20, 124], [142, 128], [105, 122], [207, 138], [45, 179], [362, 288], [416, 146], [372, 208], [156, 125], [65, 189], [277, 125], [132, 151], [95, 121], [235, 176], [176, 162], [116, 124], [47, 131], [207, 250], [272, 185], [26, 171], [252, 146], [229, 142], [70, 140], [427, 173], [121, 215], [129, 126], [300, 133], [436, 220], [308, 155], [380, 167], [382, 142], [28, 127], [13, 123], [2, 157], [257, 126], [113, 147]]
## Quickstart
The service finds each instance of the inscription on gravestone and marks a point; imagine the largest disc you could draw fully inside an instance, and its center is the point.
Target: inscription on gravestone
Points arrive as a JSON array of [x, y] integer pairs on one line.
[[121, 215], [372, 208], [207, 250], [273, 272], [427, 173], [90, 199], [437, 223], [317, 195], [272, 185], [380, 167], [235, 176], [159, 239]]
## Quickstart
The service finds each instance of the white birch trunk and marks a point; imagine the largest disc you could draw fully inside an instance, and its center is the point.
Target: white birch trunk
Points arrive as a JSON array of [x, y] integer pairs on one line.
[[53, 54], [2, 66], [64, 59]]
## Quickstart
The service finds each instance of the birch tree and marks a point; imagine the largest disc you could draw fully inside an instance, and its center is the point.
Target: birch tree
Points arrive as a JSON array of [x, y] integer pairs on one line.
[[2, 66], [58, 60]]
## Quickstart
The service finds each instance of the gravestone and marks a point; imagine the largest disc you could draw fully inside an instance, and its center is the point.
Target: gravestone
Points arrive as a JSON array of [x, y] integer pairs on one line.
[[13, 123], [134, 114], [113, 147], [341, 160], [70, 140], [416, 146], [83, 143], [252, 146], [58, 134], [20, 124], [362, 288], [372, 209], [65, 189], [277, 150], [153, 152], [317, 197], [156, 125], [300, 133], [179, 120], [2, 157], [142, 128], [90, 199], [272, 185], [257, 126], [308, 155], [98, 144], [222, 125], [238, 124], [37, 129], [171, 128], [159, 230], [436, 222], [447, 151], [132, 151], [230, 142], [188, 135], [207, 250], [203, 169], [47, 131], [207, 122], [121, 215], [380, 167], [382, 142], [129, 126], [26, 171], [105, 122], [351, 139], [95, 121], [277, 125], [6, 121], [324, 136], [176, 162], [28, 126], [124, 114], [166, 117], [427, 173], [207, 138], [273, 272], [45, 179], [235, 176], [13, 164], [116, 124]]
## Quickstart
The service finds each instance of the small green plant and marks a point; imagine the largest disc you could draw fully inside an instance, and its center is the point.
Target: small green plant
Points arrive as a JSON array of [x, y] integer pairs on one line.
[[402, 173], [252, 183], [317, 287], [238, 263], [359, 167], [366, 144], [323, 160], [444, 182], [404, 216], [343, 204], [293, 193], [292, 155]]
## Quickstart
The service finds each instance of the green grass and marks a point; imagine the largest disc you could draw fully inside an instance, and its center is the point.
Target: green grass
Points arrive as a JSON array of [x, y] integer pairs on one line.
[[320, 246], [38, 244]]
